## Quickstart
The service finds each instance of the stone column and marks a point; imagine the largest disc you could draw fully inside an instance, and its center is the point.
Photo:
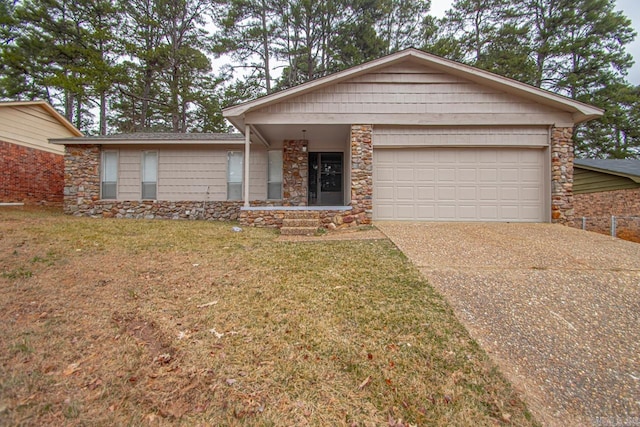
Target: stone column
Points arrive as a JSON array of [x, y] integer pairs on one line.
[[362, 173], [295, 172], [81, 177], [562, 176]]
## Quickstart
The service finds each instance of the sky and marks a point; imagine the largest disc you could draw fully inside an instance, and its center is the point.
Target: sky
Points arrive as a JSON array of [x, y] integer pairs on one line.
[[631, 9]]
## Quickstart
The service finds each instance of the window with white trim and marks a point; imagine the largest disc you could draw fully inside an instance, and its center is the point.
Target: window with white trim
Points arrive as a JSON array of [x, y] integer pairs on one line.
[[274, 175], [149, 175], [234, 175], [109, 182]]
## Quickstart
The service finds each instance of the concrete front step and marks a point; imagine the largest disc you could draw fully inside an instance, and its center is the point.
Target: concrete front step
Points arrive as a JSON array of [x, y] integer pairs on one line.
[[298, 231], [301, 215], [294, 222]]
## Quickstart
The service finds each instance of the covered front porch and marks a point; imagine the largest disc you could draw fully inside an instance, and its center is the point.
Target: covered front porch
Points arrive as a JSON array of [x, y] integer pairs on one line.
[[326, 176]]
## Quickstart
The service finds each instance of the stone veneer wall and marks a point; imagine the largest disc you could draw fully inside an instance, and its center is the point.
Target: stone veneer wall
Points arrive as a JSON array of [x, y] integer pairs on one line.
[[295, 165], [598, 208], [30, 176], [82, 195], [362, 174], [272, 218], [562, 211], [81, 178]]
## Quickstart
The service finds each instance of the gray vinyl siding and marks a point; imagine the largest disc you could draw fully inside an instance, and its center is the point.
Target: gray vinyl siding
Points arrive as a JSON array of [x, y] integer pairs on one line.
[[129, 170], [458, 136], [194, 174], [191, 173], [416, 95], [258, 174]]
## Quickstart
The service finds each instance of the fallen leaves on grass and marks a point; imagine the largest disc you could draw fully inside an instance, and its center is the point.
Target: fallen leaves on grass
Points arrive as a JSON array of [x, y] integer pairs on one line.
[[328, 333]]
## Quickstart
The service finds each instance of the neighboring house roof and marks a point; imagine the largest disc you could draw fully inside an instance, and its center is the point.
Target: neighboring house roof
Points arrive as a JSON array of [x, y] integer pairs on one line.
[[33, 123], [629, 168], [155, 138], [579, 111], [595, 175]]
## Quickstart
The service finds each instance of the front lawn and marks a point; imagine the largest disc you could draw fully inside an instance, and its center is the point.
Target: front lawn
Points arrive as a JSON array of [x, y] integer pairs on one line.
[[125, 322]]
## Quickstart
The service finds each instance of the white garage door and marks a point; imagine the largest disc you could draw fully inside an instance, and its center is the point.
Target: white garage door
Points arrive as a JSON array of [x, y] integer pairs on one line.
[[460, 184]]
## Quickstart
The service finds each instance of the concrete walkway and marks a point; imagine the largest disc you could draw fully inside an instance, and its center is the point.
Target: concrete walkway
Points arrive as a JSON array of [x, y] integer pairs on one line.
[[558, 309]]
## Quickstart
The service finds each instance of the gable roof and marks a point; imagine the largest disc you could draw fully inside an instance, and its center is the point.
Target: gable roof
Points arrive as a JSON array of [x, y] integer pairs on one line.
[[46, 107], [628, 168], [579, 110]]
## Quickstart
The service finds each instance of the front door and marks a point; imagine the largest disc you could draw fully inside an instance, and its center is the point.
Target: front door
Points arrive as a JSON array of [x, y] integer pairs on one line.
[[325, 179]]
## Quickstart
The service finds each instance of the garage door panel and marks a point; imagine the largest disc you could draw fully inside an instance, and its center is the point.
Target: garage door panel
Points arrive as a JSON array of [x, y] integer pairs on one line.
[[426, 194], [488, 175], [467, 156], [425, 175], [405, 211], [529, 175], [426, 211], [487, 213], [508, 175], [467, 175], [446, 156], [426, 156], [446, 175], [405, 194], [464, 184], [508, 194], [446, 193], [530, 194], [467, 194], [488, 194], [468, 212], [405, 175], [445, 211], [404, 156], [385, 193], [385, 210], [530, 213]]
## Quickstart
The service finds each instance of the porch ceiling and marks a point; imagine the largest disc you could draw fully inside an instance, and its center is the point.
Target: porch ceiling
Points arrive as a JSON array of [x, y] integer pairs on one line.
[[316, 133]]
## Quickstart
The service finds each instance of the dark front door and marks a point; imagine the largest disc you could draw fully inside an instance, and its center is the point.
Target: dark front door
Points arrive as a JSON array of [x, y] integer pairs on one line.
[[325, 179]]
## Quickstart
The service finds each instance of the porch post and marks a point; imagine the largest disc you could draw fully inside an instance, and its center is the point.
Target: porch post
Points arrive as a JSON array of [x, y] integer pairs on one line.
[[247, 153]]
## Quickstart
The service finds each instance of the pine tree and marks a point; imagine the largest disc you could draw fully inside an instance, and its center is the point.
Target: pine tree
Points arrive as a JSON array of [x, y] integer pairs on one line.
[[247, 32], [401, 23]]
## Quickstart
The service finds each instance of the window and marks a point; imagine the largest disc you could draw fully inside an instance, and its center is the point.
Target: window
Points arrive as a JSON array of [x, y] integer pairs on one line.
[[234, 175], [274, 175], [149, 174], [109, 174]]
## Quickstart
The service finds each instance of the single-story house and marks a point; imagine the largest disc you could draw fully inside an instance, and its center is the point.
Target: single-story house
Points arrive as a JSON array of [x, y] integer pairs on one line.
[[604, 188], [32, 169], [409, 136]]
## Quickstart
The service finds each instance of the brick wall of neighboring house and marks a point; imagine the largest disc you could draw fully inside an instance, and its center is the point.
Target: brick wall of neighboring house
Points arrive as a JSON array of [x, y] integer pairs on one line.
[[562, 210], [597, 209], [30, 176]]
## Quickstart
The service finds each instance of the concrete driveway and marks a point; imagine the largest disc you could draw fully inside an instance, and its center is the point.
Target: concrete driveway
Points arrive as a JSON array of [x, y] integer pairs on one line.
[[558, 309]]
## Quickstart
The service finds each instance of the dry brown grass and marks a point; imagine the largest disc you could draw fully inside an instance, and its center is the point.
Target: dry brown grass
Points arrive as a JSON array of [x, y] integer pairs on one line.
[[118, 322]]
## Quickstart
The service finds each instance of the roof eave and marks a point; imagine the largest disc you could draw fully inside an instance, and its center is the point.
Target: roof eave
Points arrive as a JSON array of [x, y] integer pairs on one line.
[[115, 141]]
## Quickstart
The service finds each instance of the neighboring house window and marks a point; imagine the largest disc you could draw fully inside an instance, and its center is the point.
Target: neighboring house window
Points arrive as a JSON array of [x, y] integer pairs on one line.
[[234, 175], [274, 175], [149, 174], [109, 174]]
